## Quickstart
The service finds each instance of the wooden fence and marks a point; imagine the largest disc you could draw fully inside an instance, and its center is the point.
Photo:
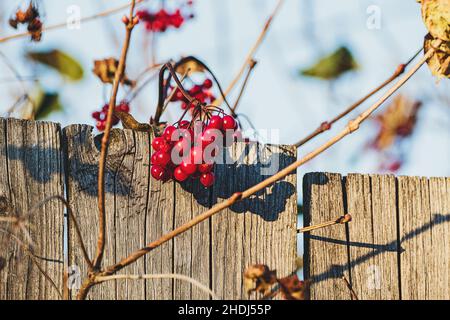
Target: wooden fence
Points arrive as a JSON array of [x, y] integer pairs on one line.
[[397, 245], [39, 160]]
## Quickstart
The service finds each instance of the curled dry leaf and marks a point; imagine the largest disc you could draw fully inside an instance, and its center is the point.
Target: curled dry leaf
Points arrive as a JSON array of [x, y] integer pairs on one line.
[[439, 63], [292, 288], [189, 66], [259, 278], [398, 121], [106, 70], [436, 16], [29, 17]]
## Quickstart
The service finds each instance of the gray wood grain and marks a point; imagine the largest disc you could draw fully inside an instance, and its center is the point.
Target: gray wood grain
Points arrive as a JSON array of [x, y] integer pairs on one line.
[[326, 257], [257, 230], [371, 199], [415, 237], [31, 171]]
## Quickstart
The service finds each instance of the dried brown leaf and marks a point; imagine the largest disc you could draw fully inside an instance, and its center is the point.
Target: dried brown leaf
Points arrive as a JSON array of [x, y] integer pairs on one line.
[[189, 66], [106, 70], [292, 288], [436, 16], [259, 278], [439, 63]]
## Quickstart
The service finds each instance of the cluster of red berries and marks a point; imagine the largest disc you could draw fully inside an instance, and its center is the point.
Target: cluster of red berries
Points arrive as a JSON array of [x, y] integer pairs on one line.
[[100, 116], [183, 152], [162, 20], [201, 92]]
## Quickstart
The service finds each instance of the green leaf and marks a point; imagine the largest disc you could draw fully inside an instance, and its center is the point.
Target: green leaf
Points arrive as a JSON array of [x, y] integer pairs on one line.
[[60, 61], [333, 65], [46, 103]]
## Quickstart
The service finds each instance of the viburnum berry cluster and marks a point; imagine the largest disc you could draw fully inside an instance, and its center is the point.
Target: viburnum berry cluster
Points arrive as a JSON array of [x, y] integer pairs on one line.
[[188, 149], [100, 116], [201, 92], [162, 20]]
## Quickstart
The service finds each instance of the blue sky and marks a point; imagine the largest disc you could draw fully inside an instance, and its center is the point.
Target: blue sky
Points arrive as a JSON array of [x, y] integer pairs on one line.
[[276, 97]]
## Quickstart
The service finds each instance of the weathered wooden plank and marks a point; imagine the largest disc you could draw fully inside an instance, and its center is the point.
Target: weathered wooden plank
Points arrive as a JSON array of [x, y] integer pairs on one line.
[[326, 257], [159, 221], [191, 249], [415, 237], [126, 182], [261, 229], [440, 238], [32, 171], [373, 236]]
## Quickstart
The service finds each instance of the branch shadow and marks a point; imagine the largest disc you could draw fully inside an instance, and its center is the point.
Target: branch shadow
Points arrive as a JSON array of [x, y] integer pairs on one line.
[[337, 271]]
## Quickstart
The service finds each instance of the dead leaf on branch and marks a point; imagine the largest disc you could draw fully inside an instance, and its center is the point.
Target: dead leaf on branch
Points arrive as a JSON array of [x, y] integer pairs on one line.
[[106, 71], [398, 121], [189, 66], [436, 16], [259, 278], [29, 17], [292, 288], [439, 63]]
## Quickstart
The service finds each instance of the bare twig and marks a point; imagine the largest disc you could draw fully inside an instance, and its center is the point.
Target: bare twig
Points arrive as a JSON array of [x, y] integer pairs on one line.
[[64, 24], [105, 139], [341, 220], [251, 54], [181, 277], [351, 127], [350, 288], [325, 126], [34, 259], [251, 66]]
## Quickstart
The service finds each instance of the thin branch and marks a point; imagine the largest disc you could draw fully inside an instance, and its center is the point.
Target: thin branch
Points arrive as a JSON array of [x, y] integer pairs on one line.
[[64, 24], [325, 126], [350, 288], [174, 91], [181, 277], [105, 139], [251, 66], [351, 127], [252, 53], [341, 220], [74, 221]]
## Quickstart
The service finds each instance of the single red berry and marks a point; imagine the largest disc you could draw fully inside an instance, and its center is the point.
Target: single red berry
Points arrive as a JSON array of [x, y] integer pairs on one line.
[[229, 123], [168, 132], [179, 174], [188, 168], [153, 158], [158, 143], [184, 124], [96, 115], [101, 125], [215, 122], [157, 172], [208, 84], [205, 167], [162, 158], [207, 179]]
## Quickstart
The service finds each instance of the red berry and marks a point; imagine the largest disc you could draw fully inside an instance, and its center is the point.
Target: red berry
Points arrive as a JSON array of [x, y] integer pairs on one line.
[[179, 174], [216, 122], [162, 158], [196, 155], [168, 132], [158, 143], [205, 167], [101, 125], [157, 172], [184, 124], [229, 123], [207, 179], [96, 115], [208, 84], [188, 168]]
